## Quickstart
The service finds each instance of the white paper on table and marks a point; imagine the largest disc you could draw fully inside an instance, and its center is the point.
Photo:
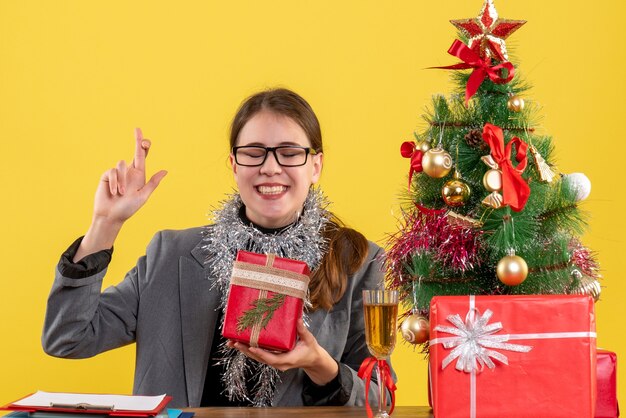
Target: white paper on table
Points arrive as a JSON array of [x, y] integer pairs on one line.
[[119, 402]]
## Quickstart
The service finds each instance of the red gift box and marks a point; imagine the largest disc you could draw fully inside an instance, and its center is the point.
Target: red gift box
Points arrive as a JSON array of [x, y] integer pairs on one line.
[[606, 405], [265, 300], [513, 356]]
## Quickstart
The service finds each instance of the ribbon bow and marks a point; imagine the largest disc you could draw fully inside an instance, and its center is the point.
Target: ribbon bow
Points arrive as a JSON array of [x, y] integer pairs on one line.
[[409, 150], [365, 373], [474, 341], [482, 68], [515, 190]]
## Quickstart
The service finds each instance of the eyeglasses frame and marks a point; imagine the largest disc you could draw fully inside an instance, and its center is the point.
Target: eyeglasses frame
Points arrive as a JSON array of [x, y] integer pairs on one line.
[[308, 150]]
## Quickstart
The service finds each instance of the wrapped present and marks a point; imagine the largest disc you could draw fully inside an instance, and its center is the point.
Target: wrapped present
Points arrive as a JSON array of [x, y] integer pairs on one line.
[[513, 356], [265, 300], [606, 404]]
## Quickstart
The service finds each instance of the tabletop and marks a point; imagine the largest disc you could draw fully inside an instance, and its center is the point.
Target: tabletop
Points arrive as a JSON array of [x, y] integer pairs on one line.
[[319, 412]]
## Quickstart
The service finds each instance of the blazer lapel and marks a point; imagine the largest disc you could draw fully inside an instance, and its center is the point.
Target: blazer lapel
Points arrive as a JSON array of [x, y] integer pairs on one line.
[[316, 320], [198, 321]]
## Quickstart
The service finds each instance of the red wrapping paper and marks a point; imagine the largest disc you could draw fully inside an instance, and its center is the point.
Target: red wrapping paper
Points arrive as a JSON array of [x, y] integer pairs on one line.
[[606, 405], [280, 333], [556, 378]]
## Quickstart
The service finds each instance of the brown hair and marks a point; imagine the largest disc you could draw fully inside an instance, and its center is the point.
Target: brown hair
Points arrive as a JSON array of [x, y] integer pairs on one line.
[[283, 102], [347, 248]]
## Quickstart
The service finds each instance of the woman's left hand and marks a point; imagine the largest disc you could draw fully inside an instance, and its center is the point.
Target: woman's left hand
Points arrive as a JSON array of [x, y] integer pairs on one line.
[[307, 355]]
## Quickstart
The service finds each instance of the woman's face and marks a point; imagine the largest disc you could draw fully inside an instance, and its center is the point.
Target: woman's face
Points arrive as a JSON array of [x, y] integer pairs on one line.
[[274, 194]]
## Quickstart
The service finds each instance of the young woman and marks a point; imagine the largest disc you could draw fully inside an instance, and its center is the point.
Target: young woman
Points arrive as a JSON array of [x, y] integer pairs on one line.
[[172, 302]]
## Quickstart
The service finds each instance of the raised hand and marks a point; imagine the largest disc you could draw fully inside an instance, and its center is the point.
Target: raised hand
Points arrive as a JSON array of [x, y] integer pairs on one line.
[[122, 190]]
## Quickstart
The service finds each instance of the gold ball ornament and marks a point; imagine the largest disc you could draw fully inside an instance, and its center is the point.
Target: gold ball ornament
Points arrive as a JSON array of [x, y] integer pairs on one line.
[[422, 146], [455, 192], [587, 285], [591, 288], [512, 270], [492, 180], [515, 104], [415, 329], [436, 163]]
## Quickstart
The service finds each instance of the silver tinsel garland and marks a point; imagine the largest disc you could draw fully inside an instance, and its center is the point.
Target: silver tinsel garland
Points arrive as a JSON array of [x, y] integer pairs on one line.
[[228, 234]]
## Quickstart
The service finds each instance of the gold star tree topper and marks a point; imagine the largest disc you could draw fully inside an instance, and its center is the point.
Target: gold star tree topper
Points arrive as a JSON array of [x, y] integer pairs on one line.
[[486, 32]]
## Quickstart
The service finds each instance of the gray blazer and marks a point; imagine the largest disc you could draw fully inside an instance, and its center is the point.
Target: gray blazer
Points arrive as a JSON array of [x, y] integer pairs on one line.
[[165, 305]]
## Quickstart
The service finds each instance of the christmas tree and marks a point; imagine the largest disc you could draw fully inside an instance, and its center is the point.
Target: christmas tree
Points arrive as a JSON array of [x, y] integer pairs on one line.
[[486, 212]]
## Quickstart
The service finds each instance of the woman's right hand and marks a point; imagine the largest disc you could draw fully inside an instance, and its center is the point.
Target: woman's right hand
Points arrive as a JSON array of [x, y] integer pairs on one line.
[[123, 189], [121, 192]]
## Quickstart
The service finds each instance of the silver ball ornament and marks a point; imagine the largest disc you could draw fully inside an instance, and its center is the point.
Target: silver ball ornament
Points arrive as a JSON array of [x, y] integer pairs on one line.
[[578, 183]]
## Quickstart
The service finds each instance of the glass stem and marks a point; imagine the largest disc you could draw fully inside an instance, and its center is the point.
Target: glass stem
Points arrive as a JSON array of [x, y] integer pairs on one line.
[[382, 404]]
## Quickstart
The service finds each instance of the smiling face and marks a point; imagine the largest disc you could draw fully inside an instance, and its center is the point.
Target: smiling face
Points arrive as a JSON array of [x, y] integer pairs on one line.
[[274, 195]]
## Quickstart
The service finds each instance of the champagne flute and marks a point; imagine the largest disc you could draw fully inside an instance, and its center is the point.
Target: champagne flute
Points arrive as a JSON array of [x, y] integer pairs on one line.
[[381, 311]]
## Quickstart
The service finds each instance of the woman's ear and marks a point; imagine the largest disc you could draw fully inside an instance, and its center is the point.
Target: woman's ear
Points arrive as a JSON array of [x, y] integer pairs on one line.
[[318, 162], [233, 165]]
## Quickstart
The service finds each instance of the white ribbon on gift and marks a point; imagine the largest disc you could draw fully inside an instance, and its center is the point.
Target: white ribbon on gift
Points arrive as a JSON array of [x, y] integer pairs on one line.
[[474, 344]]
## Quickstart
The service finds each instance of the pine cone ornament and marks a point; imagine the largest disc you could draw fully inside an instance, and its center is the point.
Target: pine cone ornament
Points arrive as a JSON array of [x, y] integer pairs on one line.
[[474, 139]]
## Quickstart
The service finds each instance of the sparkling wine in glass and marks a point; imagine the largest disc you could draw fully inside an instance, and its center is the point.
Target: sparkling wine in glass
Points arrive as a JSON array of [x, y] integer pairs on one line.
[[381, 311]]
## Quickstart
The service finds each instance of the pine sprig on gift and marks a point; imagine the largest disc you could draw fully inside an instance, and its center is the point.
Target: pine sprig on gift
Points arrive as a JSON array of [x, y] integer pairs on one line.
[[262, 310]]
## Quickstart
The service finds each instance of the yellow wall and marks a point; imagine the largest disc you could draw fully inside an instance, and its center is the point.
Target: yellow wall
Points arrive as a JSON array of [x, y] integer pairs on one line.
[[76, 77]]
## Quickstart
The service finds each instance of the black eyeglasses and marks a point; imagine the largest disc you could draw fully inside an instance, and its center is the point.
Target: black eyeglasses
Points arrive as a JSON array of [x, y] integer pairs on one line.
[[286, 156]]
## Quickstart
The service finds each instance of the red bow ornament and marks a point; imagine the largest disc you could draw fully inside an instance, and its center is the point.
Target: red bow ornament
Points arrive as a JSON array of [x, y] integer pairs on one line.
[[365, 373], [482, 68], [409, 150], [515, 190]]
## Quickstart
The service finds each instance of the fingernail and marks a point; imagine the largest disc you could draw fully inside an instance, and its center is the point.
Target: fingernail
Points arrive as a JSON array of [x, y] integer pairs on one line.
[[122, 190], [138, 133], [145, 144]]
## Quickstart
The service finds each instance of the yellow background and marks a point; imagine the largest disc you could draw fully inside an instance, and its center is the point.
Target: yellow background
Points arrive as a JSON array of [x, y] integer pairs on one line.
[[76, 77]]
